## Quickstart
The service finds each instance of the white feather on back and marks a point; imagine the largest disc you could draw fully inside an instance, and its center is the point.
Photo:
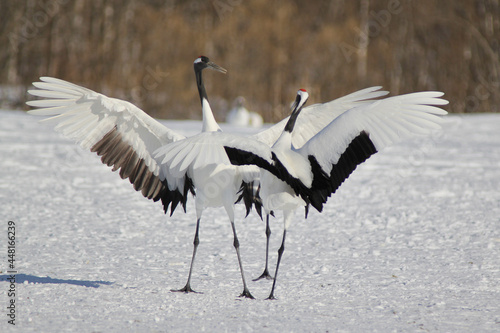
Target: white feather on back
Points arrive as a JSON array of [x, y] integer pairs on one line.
[[191, 155]]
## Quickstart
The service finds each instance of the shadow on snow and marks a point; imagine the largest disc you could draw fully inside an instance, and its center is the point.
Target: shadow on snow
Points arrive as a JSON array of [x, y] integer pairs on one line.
[[20, 278]]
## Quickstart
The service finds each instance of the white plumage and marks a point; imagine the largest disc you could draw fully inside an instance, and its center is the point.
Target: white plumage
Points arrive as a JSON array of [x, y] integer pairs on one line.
[[308, 172], [127, 139], [121, 133], [315, 117], [299, 165], [312, 120], [384, 121]]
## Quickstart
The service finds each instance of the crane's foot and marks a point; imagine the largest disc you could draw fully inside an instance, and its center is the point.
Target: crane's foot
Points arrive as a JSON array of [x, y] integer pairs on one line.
[[246, 294], [264, 275], [186, 289], [271, 297]]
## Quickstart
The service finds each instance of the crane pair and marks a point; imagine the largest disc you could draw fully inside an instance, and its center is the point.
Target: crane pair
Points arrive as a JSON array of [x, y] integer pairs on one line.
[[298, 162]]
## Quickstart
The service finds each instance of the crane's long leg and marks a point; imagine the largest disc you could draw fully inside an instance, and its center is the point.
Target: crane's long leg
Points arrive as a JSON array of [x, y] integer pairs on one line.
[[280, 253], [187, 288], [236, 243], [266, 274]]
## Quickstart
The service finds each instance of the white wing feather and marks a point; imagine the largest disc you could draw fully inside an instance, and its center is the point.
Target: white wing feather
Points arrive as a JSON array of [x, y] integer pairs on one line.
[[386, 121], [87, 116], [121, 133], [314, 118], [369, 127], [189, 157]]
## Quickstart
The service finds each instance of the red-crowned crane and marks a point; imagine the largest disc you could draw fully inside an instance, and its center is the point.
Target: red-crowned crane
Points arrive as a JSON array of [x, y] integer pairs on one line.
[[312, 120], [293, 177], [126, 138]]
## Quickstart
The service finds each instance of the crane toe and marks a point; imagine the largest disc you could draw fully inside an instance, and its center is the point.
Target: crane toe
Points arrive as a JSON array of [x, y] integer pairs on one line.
[[264, 275]]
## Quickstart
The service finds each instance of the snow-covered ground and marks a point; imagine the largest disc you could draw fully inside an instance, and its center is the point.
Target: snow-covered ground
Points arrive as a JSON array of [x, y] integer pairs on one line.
[[410, 242]]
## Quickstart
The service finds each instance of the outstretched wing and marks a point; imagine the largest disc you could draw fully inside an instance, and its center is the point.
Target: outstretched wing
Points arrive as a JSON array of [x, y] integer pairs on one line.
[[122, 134], [314, 118], [351, 138], [336, 151]]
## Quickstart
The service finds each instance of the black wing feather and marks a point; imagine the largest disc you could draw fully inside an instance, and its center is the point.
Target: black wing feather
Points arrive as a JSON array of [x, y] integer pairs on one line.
[[358, 151], [243, 157], [324, 184], [119, 155]]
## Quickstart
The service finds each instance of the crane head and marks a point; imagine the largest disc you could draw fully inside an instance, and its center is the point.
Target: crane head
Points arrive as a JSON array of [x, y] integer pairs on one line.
[[203, 62], [300, 100]]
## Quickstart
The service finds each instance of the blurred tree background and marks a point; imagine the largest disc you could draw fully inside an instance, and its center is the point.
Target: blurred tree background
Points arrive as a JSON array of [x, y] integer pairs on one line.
[[142, 51]]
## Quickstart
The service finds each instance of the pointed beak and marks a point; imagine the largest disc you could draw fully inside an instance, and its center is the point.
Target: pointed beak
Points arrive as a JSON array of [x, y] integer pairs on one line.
[[216, 67]]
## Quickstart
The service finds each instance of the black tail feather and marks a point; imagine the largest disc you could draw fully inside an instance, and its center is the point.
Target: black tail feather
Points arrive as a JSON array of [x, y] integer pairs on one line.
[[249, 193]]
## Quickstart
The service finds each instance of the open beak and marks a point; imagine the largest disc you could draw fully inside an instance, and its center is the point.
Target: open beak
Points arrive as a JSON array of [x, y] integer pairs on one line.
[[216, 67]]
